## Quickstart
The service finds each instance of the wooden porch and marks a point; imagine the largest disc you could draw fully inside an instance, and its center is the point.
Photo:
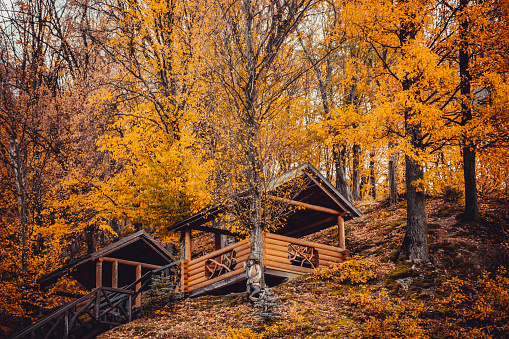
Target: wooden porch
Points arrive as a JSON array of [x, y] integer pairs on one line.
[[284, 257]]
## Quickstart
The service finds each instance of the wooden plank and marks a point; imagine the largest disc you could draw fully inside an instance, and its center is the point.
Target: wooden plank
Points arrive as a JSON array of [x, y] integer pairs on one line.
[[197, 281], [184, 275], [276, 247], [341, 232], [288, 268], [328, 257], [98, 273], [194, 277], [338, 254], [216, 285], [114, 274], [282, 238], [278, 259], [187, 244], [137, 302], [216, 279], [305, 205], [243, 252], [197, 270], [130, 263], [281, 254]]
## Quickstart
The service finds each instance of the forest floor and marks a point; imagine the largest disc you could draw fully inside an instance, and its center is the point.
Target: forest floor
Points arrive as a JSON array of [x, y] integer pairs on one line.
[[460, 293]]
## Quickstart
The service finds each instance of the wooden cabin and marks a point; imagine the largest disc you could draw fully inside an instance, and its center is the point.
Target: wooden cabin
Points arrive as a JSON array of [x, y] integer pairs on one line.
[[285, 253]]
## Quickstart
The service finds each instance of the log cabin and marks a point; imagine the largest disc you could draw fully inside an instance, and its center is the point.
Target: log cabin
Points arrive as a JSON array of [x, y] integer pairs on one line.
[[315, 206]]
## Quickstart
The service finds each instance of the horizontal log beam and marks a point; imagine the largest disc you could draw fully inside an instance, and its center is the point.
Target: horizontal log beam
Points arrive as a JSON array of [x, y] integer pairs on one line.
[[216, 279], [281, 240], [129, 262], [307, 206], [287, 267]]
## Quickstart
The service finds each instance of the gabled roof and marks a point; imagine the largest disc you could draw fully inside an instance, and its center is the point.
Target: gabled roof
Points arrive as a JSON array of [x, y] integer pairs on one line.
[[138, 247], [318, 192]]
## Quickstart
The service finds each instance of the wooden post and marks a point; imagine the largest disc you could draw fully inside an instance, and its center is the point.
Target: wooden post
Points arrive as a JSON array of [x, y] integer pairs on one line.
[[98, 273], [217, 241], [341, 232], [187, 245], [114, 274], [184, 275], [137, 302]]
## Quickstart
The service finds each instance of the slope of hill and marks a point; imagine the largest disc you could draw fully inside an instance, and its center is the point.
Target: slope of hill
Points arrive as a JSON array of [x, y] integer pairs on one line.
[[461, 293]]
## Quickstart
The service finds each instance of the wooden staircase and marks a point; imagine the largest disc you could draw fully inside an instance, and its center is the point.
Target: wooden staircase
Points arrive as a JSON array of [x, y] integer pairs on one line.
[[99, 310]]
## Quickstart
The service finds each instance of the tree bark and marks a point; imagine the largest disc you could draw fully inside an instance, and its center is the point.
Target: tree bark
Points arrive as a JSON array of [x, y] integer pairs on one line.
[[393, 188], [415, 243], [21, 194], [356, 178], [471, 203], [372, 177], [341, 179]]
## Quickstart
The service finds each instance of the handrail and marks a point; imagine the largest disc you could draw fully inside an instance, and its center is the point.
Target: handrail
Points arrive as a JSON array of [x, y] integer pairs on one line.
[[109, 293], [54, 314]]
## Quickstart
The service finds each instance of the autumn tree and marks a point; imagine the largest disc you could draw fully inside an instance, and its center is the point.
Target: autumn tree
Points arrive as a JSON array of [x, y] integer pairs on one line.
[[251, 50]]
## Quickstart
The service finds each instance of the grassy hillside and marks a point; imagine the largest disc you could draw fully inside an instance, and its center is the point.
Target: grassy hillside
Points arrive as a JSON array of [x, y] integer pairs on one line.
[[461, 293]]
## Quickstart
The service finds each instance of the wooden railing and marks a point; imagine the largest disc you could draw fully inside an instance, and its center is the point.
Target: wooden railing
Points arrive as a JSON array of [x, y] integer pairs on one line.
[[297, 255], [104, 305], [215, 266]]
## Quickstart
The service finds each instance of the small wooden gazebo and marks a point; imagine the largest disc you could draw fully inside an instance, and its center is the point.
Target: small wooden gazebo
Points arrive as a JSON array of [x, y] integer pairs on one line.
[[116, 265], [320, 206]]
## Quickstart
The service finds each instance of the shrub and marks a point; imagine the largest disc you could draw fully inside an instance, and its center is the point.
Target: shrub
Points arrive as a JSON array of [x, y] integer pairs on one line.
[[161, 293], [491, 308], [354, 271]]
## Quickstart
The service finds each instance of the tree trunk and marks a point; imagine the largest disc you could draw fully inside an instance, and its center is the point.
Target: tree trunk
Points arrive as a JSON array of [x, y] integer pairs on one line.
[[341, 179], [393, 188], [372, 177], [21, 194], [471, 204], [356, 178], [415, 243]]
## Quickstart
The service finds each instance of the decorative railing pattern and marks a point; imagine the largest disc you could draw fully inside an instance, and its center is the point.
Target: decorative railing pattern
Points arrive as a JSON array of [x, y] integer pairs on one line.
[[297, 255], [215, 266]]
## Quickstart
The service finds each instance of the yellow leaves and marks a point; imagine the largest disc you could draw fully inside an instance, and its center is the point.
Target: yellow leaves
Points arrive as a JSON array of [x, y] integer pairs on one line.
[[239, 333], [354, 271]]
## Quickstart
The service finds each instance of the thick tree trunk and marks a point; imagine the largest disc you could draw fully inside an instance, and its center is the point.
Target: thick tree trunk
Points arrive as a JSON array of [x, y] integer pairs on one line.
[[356, 178], [415, 243], [471, 204], [341, 179]]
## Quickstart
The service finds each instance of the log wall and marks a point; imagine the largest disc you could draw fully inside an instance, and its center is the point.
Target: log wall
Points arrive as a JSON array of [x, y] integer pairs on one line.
[[276, 253]]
